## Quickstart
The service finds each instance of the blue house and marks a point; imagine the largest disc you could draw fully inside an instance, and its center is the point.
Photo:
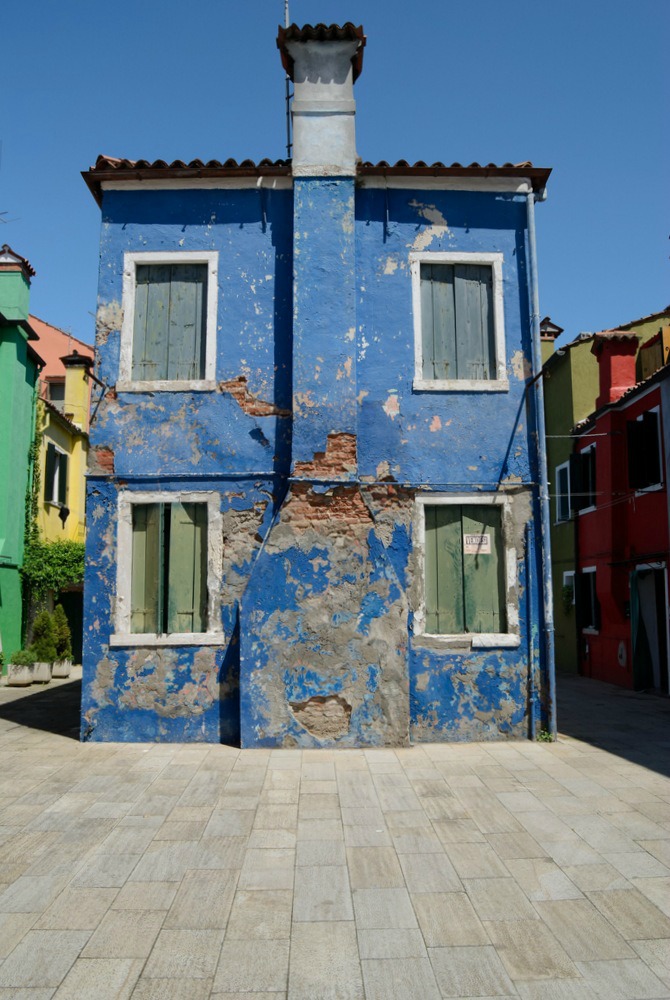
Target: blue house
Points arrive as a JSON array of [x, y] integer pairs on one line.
[[317, 494]]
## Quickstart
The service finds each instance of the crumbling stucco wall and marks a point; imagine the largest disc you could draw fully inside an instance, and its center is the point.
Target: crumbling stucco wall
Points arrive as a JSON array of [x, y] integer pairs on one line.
[[324, 661]]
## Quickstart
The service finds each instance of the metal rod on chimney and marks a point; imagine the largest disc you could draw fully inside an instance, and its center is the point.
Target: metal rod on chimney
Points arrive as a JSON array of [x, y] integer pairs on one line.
[[288, 93]]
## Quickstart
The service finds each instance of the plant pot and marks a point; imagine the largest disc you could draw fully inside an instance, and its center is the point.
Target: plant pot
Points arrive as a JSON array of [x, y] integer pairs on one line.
[[42, 672], [20, 675], [61, 668]]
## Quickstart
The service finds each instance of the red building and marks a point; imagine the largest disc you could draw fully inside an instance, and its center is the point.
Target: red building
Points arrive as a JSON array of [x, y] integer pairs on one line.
[[618, 491]]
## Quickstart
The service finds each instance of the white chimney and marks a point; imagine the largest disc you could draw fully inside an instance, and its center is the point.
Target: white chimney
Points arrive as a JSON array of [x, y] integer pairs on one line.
[[323, 63]]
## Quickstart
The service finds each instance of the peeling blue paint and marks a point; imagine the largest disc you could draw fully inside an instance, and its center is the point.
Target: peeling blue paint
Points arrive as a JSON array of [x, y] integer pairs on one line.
[[320, 597]]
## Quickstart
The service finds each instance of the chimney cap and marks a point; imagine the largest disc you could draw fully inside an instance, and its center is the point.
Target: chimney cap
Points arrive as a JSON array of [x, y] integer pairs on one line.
[[347, 32], [76, 359], [11, 260]]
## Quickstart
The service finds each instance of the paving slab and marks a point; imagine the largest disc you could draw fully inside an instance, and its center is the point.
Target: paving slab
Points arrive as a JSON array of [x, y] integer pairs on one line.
[[189, 872]]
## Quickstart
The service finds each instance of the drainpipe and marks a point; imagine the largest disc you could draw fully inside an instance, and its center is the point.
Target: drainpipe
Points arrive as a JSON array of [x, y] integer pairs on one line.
[[542, 463]]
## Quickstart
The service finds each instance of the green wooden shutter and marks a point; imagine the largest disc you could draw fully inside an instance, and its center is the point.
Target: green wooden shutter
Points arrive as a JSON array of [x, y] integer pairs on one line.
[[49, 473], [443, 565], [187, 583], [483, 571], [438, 321], [475, 342], [62, 479], [151, 321], [188, 297], [147, 568]]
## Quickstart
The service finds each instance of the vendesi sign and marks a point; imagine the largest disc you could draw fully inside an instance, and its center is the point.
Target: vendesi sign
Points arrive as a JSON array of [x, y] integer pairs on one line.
[[477, 545]]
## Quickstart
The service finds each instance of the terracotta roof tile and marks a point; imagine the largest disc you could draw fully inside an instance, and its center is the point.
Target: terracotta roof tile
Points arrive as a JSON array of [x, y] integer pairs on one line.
[[112, 168]]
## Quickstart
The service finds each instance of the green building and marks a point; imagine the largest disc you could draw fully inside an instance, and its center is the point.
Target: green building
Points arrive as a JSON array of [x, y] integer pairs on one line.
[[19, 369], [571, 386]]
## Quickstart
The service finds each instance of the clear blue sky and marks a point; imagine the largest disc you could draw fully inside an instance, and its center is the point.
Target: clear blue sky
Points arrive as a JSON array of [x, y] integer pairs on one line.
[[577, 85]]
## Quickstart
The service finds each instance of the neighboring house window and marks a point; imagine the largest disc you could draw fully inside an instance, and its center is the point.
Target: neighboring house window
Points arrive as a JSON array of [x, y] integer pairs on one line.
[[168, 337], [588, 606], [467, 568], [563, 510], [55, 476], [568, 590], [458, 321], [170, 559], [583, 479], [56, 394], [644, 451]]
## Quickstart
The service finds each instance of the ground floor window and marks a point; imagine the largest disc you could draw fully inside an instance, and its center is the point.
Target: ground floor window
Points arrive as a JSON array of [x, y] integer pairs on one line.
[[169, 559], [466, 577], [587, 600], [169, 568]]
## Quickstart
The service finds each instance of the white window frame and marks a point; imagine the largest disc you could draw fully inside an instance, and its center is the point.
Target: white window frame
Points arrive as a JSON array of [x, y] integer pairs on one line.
[[55, 490], [501, 382], [126, 383], [122, 635], [478, 640], [559, 495]]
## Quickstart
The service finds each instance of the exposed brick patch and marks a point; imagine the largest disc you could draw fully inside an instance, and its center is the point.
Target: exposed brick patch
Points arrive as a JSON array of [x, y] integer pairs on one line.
[[342, 504], [339, 458], [324, 717], [237, 388], [101, 461]]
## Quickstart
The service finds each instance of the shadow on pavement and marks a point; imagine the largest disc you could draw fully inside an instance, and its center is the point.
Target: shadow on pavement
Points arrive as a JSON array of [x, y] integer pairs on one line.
[[53, 708], [634, 725]]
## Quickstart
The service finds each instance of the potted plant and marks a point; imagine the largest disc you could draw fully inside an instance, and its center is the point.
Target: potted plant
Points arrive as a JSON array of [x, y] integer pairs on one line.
[[43, 646], [21, 668], [63, 663]]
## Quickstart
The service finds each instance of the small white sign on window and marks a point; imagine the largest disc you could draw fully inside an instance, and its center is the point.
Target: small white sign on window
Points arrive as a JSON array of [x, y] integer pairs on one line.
[[477, 545]]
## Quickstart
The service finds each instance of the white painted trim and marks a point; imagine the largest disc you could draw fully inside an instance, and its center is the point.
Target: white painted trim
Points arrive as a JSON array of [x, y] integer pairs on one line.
[[511, 185], [483, 640], [495, 261], [173, 639], [178, 385], [130, 262], [124, 546], [199, 183]]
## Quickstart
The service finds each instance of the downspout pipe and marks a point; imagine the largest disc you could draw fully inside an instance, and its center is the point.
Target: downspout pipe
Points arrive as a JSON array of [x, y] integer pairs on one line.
[[547, 597]]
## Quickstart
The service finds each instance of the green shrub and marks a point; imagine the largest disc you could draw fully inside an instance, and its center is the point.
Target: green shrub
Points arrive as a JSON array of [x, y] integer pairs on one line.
[[63, 635], [23, 658], [44, 639]]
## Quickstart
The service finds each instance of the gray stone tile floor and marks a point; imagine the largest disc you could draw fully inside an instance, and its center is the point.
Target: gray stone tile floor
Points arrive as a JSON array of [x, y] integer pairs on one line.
[[184, 872]]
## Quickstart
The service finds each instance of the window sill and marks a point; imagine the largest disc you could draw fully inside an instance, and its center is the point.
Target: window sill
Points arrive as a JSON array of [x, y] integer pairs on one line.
[[652, 488], [590, 631], [460, 385], [165, 385], [173, 639], [479, 640], [586, 510]]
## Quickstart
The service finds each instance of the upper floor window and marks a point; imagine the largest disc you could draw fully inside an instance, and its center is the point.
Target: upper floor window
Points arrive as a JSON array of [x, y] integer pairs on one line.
[[55, 476], [56, 393], [562, 484], [168, 338], [583, 479], [458, 321], [644, 451]]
